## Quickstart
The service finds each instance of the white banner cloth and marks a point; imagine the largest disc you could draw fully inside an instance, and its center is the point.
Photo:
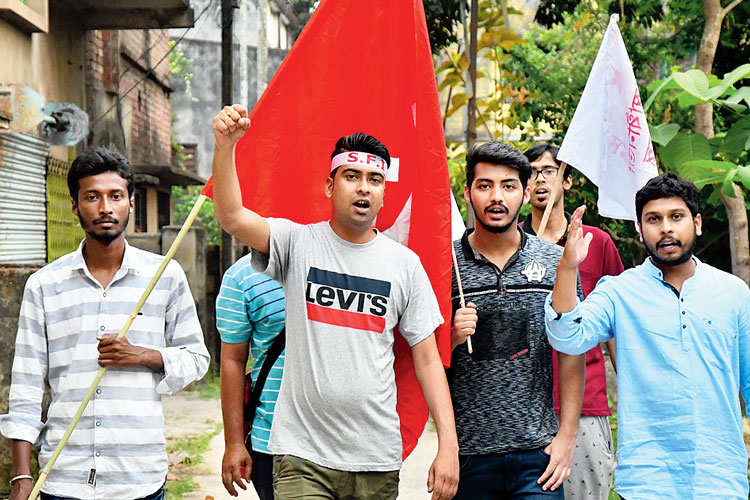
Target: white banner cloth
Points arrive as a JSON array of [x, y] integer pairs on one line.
[[608, 139]]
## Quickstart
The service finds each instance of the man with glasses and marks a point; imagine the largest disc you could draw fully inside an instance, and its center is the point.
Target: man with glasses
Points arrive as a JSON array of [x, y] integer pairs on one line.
[[593, 457]]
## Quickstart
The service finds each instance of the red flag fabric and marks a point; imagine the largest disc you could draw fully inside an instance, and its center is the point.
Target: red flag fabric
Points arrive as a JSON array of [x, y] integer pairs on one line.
[[360, 67]]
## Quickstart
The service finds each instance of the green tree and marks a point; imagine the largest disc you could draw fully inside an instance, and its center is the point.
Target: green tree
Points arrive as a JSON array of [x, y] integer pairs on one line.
[[443, 22], [184, 199], [658, 35], [717, 164], [739, 243]]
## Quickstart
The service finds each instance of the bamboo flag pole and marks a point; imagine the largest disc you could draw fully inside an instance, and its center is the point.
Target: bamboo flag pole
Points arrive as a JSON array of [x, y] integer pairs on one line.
[[100, 374], [556, 187], [460, 293]]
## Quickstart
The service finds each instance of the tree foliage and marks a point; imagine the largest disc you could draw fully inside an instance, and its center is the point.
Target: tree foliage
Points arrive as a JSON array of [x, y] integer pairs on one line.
[[443, 21], [552, 61], [184, 199], [715, 165], [497, 109]]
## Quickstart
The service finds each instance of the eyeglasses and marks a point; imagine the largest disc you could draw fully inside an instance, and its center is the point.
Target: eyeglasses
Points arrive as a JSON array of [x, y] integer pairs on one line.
[[548, 173]]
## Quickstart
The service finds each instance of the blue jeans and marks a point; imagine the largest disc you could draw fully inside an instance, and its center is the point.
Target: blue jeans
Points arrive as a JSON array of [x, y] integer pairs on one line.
[[498, 476], [158, 495]]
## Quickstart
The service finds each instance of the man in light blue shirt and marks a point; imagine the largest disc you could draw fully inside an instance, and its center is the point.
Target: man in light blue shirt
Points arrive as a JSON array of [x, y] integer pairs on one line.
[[683, 352], [249, 317]]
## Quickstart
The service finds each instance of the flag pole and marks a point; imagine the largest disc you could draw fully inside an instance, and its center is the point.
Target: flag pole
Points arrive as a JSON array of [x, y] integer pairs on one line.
[[100, 374], [460, 293], [556, 187]]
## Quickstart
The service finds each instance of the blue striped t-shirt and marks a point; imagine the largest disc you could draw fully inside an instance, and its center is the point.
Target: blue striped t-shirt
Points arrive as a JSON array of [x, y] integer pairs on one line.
[[250, 307]]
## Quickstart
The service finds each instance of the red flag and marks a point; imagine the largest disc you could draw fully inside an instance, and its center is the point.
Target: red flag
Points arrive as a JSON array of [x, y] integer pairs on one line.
[[359, 67]]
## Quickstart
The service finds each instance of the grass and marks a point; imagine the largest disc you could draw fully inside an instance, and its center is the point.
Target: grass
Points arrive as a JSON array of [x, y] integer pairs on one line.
[[191, 448], [613, 426], [210, 387], [177, 488]]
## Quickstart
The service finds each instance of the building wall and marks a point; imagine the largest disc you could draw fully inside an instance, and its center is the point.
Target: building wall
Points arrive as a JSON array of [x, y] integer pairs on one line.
[[194, 111], [12, 281], [50, 63], [128, 93]]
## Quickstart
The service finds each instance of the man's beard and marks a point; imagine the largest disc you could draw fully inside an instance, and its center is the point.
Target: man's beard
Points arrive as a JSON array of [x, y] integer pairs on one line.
[[497, 229], [684, 257], [107, 237]]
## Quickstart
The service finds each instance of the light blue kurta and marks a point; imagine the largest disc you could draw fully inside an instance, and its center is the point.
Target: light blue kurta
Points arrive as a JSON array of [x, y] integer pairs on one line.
[[681, 364]]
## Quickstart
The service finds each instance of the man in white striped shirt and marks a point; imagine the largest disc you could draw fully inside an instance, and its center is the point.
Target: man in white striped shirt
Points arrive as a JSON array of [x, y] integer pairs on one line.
[[71, 311]]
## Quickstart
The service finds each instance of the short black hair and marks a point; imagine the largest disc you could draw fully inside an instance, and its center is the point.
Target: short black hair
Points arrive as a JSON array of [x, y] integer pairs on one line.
[[497, 153], [95, 161], [667, 185], [365, 143], [537, 151]]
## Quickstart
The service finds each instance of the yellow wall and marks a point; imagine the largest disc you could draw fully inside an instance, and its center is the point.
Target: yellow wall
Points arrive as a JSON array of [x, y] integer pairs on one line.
[[50, 63], [152, 211]]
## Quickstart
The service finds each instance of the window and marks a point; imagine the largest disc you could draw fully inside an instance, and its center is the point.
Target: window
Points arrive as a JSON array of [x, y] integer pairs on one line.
[[140, 210], [162, 204]]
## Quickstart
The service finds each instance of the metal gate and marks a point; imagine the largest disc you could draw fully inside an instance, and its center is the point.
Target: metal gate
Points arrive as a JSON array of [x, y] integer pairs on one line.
[[23, 160]]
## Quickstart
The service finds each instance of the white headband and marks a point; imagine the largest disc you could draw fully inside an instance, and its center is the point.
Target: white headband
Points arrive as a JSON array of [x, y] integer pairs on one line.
[[359, 158]]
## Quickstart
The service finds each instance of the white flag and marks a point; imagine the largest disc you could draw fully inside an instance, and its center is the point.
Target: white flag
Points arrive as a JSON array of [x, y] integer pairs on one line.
[[608, 139]]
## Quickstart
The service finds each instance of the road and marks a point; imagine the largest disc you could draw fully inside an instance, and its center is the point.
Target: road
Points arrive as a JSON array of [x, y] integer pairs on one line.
[[187, 414]]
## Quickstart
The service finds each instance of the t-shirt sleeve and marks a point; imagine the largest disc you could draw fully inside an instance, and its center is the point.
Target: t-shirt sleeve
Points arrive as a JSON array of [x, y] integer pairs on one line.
[[422, 314], [282, 237], [232, 321]]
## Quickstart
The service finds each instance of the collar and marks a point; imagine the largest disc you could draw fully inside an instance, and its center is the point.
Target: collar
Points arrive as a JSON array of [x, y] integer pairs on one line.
[[332, 234], [650, 268], [128, 261], [471, 254], [528, 228]]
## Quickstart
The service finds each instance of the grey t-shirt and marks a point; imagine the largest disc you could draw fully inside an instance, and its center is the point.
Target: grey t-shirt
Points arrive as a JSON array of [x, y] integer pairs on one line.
[[337, 403]]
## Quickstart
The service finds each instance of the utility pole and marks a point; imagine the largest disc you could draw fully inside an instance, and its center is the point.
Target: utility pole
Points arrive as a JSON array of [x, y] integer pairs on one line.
[[471, 126], [227, 15], [471, 122], [262, 54], [244, 30]]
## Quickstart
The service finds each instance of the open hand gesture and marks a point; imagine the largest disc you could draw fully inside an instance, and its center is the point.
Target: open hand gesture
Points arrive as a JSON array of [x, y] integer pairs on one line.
[[577, 246], [230, 124]]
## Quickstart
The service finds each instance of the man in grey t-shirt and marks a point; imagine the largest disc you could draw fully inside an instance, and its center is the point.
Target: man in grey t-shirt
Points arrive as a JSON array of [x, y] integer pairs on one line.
[[336, 431]]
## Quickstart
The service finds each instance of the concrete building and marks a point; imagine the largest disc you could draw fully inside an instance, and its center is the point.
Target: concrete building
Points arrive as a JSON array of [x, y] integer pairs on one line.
[[195, 106]]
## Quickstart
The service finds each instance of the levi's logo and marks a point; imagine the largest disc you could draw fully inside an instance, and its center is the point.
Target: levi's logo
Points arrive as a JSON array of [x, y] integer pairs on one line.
[[348, 301]]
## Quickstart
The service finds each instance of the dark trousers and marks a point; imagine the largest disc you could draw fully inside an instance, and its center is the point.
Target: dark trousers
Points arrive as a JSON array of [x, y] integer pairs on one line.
[[262, 474], [158, 495], [511, 475]]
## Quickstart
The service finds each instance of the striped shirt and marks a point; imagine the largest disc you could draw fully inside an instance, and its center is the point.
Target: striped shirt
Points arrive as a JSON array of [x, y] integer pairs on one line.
[[250, 307], [118, 450], [502, 393]]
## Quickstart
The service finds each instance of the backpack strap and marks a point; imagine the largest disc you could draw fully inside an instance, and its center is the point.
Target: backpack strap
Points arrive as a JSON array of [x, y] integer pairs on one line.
[[278, 345]]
